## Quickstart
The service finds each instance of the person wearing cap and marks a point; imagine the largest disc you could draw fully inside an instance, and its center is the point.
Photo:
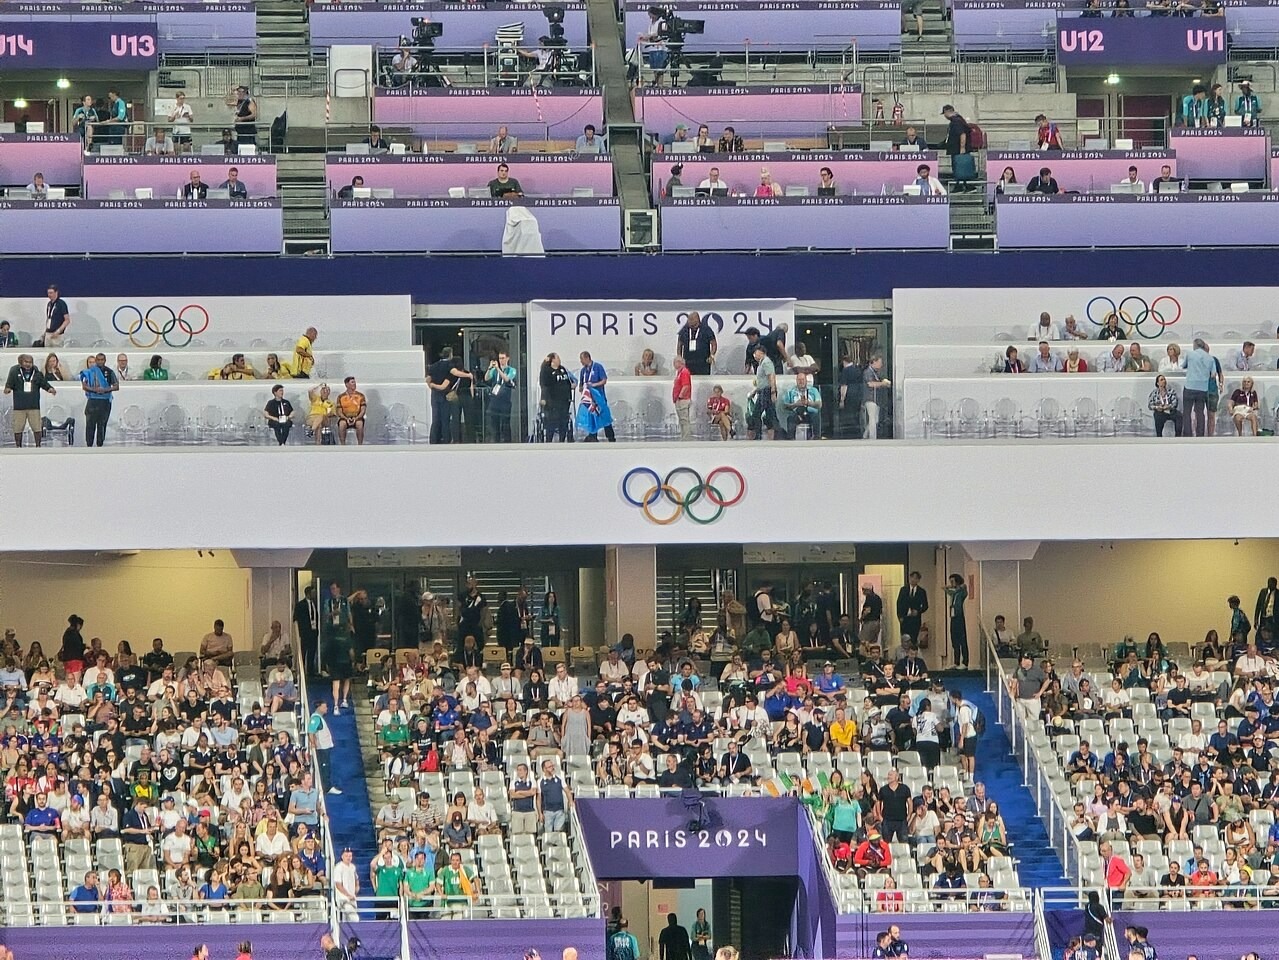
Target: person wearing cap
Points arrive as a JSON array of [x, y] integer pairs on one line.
[[958, 142], [391, 819], [679, 136], [872, 855], [1248, 105], [75, 820]]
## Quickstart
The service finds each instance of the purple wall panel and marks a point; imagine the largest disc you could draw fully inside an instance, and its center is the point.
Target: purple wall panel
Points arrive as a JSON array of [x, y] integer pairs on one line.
[[379, 939], [1164, 220], [433, 174], [816, 916], [800, 110], [141, 226], [1222, 153], [475, 114], [180, 27], [822, 223], [469, 225], [465, 26], [167, 175], [864, 172], [56, 155], [271, 941], [932, 935], [1082, 170], [490, 939], [799, 25]]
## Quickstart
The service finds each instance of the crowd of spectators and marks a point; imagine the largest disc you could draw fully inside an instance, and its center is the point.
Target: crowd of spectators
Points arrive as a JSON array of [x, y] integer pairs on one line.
[[155, 773]]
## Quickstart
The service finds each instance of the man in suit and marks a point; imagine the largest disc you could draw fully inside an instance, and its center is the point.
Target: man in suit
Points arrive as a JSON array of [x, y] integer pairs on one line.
[[1267, 612], [306, 614], [912, 604]]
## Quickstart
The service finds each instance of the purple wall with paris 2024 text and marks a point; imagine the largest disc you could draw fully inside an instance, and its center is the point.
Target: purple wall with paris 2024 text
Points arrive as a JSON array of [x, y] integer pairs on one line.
[[271, 941]]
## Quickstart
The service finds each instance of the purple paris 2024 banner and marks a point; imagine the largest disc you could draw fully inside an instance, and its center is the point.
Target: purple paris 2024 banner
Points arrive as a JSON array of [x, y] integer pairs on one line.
[[1222, 153], [1153, 220], [44, 45], [1141, 42], [271, 941], [432, 174], [56, 155], [167, 175], [419, 226], [467, 26], [818, 223], [179, 27], [768, 27], [475, 114], [141, 226], [1083, 170], [801, 110]]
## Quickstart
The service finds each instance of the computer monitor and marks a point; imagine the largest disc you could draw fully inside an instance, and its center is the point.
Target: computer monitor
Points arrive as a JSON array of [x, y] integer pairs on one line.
[[359, 148], [1168, 186], [1011, 189], [361, 193], [720, 191], [683, 146], [56, 193], [1125, 187]]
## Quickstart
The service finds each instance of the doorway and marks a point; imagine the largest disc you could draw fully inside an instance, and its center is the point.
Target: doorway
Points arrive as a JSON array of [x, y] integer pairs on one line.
[[860, 341], [476, 345]]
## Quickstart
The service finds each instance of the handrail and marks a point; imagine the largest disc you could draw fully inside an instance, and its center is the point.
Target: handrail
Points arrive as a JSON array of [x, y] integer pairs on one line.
[[365, 86], [1109, 939], [823, 857], [1043, 946], [592, 903], [304, 701], [79, 910]]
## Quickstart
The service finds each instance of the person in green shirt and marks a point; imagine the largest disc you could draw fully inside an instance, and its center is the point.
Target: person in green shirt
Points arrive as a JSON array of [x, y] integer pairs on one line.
[[458, 885], [418, 881], [156, 371], [250, 888], [756, 640], [387, 874]]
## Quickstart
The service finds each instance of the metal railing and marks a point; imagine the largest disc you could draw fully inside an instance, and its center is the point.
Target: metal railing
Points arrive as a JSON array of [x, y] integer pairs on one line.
[[484, 66], [130, 137], [140, 911], [437, 136], [830, 59]]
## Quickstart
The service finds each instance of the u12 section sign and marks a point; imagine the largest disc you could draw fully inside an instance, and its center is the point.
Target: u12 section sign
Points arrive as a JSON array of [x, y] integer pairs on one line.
[[57, 45], [1140, 42]]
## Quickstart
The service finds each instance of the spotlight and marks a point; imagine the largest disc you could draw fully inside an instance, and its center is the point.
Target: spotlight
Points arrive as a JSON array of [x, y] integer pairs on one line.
[[20, 104], [63, 83]]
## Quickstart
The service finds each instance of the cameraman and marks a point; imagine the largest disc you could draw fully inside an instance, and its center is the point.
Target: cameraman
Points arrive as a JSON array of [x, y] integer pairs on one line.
[[656, 53], [547, 57], [403, 64]]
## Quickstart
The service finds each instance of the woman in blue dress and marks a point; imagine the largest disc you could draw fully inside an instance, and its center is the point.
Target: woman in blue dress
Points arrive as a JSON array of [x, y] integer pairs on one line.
[[593, 413]]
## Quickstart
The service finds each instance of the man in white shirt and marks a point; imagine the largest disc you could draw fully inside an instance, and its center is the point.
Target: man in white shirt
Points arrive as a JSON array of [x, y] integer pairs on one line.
[[1251, 664], [176, 848], [929, 186], [1133, 182], [158, 145], [713, 183], [482, 685], [70, 694], [238, 792], [391, 820], [1113, 362], [481, 814], [272, 842], [632, 712], [614, 670], [1045, 329], [180, 116], [346, 886], [392, 714], [562, 687]]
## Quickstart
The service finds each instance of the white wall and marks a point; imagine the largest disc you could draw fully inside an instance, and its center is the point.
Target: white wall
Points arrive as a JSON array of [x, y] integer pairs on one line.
[[171, 594], [371, 321], [891, 492]]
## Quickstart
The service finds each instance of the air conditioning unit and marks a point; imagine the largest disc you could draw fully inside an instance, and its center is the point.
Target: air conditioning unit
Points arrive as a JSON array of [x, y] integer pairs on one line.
[[641, 229]]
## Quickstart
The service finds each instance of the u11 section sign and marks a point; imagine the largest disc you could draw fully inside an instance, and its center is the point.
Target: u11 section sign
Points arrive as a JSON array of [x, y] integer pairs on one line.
[[1141, 41]]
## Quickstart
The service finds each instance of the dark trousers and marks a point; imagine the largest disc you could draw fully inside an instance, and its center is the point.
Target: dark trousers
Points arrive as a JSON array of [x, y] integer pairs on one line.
[[608, 433], [441, 419], [499, 426], [814, 421], [326, 768], [555, 423], [959, 641], [893, 831], [910, 627], [1195, 412], [282, 431], [96, 415], [1162, 418]]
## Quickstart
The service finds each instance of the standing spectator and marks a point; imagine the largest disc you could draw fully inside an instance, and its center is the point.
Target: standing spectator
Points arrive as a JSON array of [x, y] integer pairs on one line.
[[593, 413], [1200, 370], [556, 385], [873, 382], [1047, 134], [25, 382], [681, 396], [850, 396], [306, 615], [622, 944], [338, 628], [871, 616], [500, 380], [959, 144], [763, 418], [246, 116], [553, 799], [957, 594], [673, 942], [894, 808], [1266, 613], [524, 801], [346, 885], [1248, 105], [303, 355], [57, 318], [135, 836], [445, 377], [320, 739], [912, 604], [98, 383], [181, 116], [697, 345]]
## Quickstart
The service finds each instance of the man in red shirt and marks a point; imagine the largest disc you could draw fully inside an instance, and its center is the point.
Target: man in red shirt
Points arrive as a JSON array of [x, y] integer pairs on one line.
[[1118, 873], [682, 395]]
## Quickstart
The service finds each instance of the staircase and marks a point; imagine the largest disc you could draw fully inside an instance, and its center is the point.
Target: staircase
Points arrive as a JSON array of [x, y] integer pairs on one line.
[[1037, 862], [284, 49], [927, 64], [972, 224], [349, 818], [303, 192]]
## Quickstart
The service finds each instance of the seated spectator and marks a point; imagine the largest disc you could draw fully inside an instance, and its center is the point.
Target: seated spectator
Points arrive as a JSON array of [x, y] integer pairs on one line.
[[38, 189], [588, 142], [194, 189], [376, 141], [1165, 176], [504, 184], [348, 192], [1012, 362], [712, 186], [872, 855], [1009, 176], [730, 142], [802, 404], [826, 186], [1245, 407], [87, 897], [8, 338], [216, 646], [1045, 361], [230, 146], [503, 143], [766, 186], [929, 186], [1110, 329], [647, 366], [1136, 361], [392, 821], [158, 144], [1074, 363], [703, 141], [1133, 182], [321, 411], [1116, 361], [235, 188], [1043, 183]]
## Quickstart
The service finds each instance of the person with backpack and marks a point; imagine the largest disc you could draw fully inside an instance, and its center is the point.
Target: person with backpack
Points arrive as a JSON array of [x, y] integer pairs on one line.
[[622, 944], [968, 727], [961, 141]]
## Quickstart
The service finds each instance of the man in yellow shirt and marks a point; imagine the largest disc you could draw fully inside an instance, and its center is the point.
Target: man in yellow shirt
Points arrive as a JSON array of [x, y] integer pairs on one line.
[[351, 409], [303, 358]]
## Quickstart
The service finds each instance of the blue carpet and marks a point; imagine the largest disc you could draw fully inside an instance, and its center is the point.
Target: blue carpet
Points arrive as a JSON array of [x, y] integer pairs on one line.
[[349, 817], [1037, 862]]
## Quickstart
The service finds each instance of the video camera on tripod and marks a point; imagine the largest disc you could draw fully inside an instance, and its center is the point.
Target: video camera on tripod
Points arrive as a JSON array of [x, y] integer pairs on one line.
[[677, 28], [424, 33]]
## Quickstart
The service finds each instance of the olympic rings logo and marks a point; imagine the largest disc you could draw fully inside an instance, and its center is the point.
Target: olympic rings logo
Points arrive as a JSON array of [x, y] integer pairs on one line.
[[159, 321], [682, 499], [1134, 311]]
